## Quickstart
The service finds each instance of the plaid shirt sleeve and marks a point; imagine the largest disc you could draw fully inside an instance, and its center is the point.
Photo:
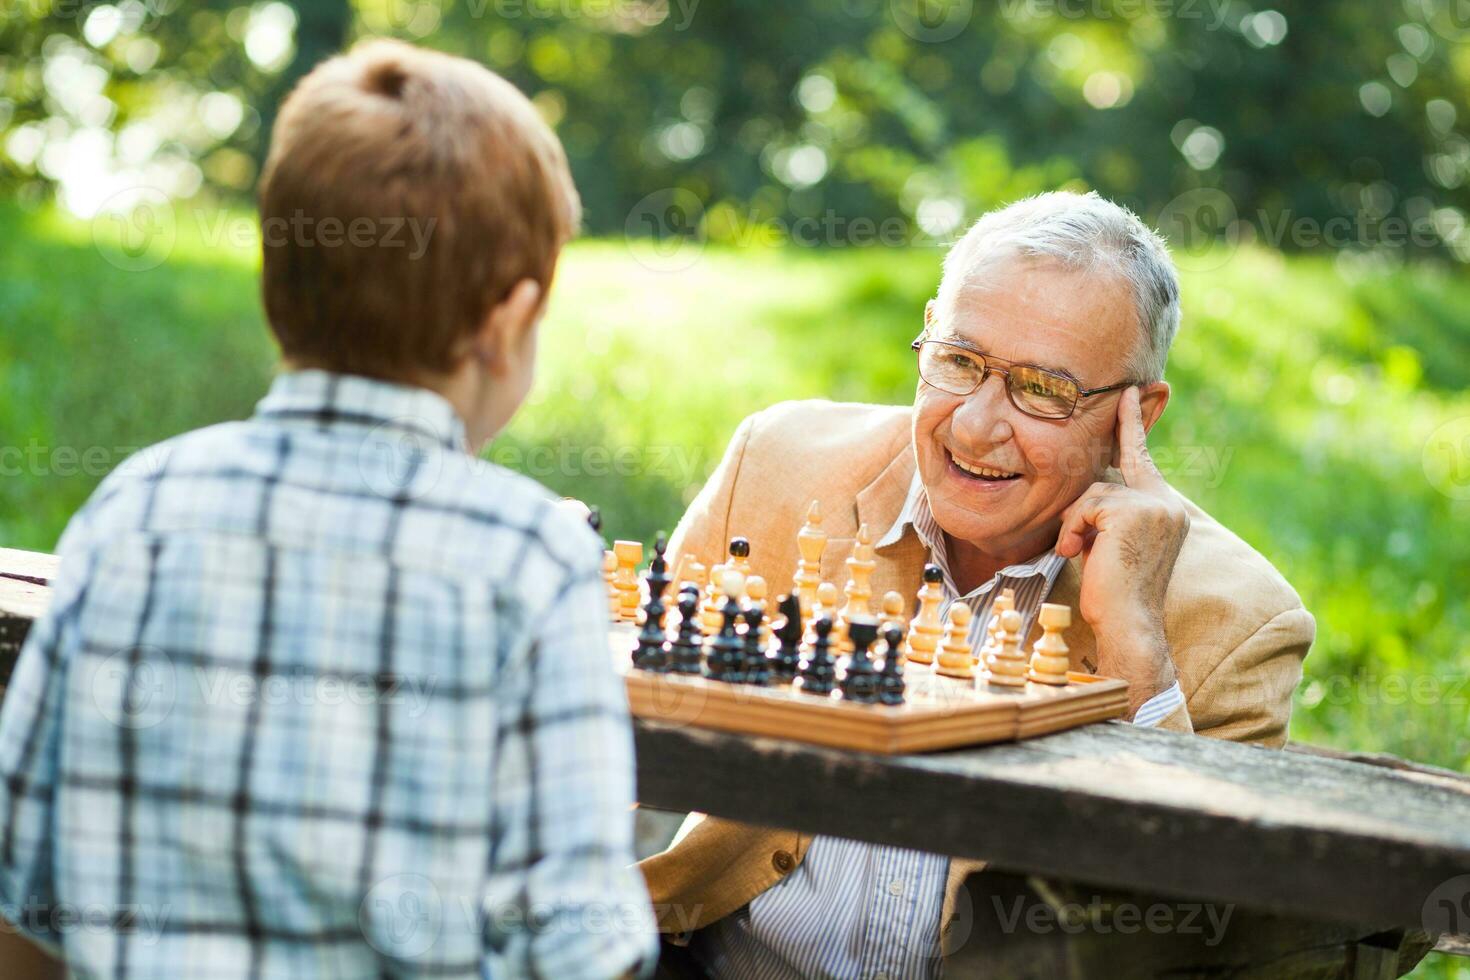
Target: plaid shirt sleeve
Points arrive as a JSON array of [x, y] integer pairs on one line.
[[580, 910], [30, 743]]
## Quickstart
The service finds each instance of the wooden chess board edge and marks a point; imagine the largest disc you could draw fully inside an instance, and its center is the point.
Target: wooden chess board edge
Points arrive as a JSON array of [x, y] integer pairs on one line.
[[913, 727]]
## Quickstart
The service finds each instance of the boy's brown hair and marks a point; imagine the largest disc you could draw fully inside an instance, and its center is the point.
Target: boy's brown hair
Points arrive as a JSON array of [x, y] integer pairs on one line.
[[405, 193]]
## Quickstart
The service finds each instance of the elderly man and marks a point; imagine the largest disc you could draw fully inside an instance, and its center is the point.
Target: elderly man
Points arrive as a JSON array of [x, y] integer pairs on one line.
[[1022, 464]]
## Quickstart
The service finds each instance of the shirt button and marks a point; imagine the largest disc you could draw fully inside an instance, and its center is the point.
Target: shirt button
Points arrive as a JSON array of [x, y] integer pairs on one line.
[[782, 861], [895, 887]]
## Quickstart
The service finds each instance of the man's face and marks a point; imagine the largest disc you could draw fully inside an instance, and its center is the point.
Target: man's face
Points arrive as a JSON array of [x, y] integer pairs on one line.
[[1031, 312]]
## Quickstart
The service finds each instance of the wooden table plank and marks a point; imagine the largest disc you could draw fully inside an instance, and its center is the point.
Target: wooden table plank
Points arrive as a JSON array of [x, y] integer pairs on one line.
[[20, 603], [1110, 804], [31, 566]]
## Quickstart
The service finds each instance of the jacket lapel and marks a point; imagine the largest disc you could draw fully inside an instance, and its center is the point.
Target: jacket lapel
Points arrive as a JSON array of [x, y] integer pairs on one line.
[[901, 564]]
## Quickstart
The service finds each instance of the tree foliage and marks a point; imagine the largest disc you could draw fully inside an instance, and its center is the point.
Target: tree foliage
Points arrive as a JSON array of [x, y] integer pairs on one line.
[[892, 119]]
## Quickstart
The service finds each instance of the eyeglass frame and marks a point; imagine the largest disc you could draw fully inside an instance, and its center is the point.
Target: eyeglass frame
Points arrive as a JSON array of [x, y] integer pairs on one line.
[[986, 368]]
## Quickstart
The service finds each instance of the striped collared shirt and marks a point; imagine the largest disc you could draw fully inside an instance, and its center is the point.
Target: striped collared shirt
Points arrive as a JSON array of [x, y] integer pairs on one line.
[[859, 911], [321, 695]]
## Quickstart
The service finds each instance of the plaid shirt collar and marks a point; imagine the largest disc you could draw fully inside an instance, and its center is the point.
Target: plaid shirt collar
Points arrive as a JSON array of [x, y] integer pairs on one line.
[[917, 515], [327, 399]]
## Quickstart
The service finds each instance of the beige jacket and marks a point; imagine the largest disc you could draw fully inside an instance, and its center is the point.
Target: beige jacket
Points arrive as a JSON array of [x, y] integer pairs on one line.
[[1236, 629]]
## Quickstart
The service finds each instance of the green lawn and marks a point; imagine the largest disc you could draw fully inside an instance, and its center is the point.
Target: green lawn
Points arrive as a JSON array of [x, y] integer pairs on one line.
[[1304, 405]]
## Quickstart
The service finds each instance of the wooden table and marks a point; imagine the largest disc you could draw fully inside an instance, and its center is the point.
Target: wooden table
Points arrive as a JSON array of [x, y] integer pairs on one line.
[[1327, 864]]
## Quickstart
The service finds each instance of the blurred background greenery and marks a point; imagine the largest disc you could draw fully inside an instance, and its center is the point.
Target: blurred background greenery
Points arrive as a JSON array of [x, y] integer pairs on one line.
[[769, 187]]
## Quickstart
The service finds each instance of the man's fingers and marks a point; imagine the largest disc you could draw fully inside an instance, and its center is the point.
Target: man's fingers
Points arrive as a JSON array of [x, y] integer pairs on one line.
[[1136, 463], [1079, 521]]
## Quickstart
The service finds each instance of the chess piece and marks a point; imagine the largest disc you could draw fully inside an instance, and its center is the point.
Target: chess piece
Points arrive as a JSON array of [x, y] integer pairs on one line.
[[826, 605], [710, 608], [787, 655], [818, 670], [860, 680], [859, 588], [687, 649], [1007, 664], [658, 577], [811, 541], [755, 590], [1006, 600], [927, 628], [740, 555], [1049, 659], [652, 649], [955, 659], [754, 666], [726, 658], [629, 554], [890, 681], [755, 595], [692, 571], [893, 616], [609, 576]]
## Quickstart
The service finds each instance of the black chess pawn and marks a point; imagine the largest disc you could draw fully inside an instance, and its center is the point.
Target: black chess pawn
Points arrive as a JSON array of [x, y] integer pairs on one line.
[[739, 551], [687, 649], [787, 654], [860, 680], [757, 668], [652, 651], [726, 658], [890, 681], [658, 570], [818, 670]]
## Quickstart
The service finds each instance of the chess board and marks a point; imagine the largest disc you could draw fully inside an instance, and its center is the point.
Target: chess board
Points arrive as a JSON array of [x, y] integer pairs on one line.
[[938, 713]]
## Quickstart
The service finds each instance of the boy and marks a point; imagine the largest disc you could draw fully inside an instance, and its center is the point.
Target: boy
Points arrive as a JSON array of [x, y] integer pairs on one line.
[[320, 694]]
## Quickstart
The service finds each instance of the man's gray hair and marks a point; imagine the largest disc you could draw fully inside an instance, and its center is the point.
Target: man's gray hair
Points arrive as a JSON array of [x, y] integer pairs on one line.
[[1087, 233]]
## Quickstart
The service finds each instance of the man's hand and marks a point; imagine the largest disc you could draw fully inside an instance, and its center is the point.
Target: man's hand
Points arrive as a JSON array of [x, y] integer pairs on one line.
[[1129, 538]]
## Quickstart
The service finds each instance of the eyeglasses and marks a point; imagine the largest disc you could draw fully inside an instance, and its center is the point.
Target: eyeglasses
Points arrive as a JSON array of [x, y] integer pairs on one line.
[[1042, 394]]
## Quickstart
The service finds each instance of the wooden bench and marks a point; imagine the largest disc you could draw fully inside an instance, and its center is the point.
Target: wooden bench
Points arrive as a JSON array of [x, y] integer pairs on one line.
[[1325, 863]]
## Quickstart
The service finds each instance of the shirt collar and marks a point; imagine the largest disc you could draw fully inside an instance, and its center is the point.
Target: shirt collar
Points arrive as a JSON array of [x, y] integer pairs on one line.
[[917, 515], [347, 399]]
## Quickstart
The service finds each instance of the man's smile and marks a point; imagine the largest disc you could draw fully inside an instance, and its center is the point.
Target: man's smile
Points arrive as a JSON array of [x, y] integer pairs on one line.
[[978, 472]]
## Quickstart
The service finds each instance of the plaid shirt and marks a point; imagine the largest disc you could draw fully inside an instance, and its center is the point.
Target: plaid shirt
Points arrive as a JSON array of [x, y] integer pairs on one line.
[[322, 695]]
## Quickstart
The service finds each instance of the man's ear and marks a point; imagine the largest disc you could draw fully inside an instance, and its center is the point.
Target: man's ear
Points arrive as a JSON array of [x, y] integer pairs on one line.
[[507, 327], [1153, 398]]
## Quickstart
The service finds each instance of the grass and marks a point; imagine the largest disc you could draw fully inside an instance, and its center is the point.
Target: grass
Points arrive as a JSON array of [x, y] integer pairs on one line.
[[1305, 414]]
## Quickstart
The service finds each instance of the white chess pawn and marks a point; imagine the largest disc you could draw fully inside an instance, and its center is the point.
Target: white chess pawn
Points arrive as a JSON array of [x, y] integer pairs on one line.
[[1049, 658], [1008, 664], [955, 656]]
